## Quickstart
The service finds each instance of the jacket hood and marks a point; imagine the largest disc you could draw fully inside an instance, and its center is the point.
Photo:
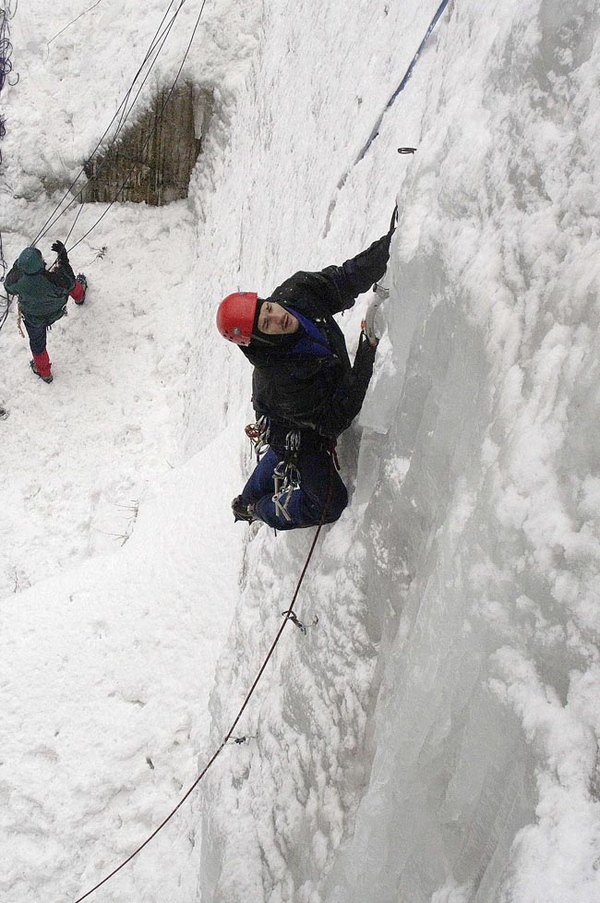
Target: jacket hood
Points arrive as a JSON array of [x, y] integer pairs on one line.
[[30, 260]]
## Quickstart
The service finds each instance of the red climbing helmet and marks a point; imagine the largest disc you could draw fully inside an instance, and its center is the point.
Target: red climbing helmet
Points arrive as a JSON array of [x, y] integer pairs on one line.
[[235, 317]]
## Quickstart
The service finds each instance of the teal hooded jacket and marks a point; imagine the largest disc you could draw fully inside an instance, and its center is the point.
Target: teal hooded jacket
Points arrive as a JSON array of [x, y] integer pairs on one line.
[[42, 295]]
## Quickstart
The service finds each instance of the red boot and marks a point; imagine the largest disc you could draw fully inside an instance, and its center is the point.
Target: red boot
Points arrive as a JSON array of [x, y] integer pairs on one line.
[[78, 293], [42, 367]]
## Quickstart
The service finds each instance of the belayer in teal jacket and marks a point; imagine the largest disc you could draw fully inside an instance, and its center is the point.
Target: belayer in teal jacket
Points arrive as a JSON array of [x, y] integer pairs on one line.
[[43, 296]]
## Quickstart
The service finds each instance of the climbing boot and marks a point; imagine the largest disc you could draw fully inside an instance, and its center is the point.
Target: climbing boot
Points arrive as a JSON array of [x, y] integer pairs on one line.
[[47, 379], [78, 293], [242, 511]]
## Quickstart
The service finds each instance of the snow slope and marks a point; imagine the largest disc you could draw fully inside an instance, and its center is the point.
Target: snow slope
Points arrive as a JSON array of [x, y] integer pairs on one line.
[[433, 738]]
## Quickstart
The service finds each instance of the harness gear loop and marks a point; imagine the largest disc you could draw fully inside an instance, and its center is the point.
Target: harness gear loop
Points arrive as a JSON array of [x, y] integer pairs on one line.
[[286, 475], [258, 434], [280, 491], [286, 478]]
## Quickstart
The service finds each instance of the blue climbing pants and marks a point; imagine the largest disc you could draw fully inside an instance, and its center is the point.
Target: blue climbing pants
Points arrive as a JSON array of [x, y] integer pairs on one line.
[[37, 337], [321, 497]]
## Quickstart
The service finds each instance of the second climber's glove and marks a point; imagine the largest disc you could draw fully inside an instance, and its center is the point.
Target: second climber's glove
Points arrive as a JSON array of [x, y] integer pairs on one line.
[[61, 251]]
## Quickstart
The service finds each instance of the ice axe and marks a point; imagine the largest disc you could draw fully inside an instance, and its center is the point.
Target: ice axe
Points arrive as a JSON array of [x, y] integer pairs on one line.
[[380, 290]]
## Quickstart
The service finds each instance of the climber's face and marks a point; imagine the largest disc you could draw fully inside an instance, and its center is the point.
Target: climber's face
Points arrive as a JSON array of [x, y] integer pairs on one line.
[[274, 319]]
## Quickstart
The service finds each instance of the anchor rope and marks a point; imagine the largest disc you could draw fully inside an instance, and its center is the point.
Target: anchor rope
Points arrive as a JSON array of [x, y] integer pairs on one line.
[[288, 616]]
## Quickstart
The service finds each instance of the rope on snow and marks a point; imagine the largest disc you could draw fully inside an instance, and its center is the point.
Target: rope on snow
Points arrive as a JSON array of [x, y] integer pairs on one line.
[[76, 19], [288, 615]]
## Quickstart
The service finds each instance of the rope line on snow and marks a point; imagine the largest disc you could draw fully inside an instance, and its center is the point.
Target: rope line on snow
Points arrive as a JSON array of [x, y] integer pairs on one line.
[[76, 19], [289, 615], [122, 113]]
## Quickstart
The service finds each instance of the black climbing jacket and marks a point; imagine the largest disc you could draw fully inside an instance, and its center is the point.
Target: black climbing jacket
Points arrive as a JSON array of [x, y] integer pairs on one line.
[[324, 392]]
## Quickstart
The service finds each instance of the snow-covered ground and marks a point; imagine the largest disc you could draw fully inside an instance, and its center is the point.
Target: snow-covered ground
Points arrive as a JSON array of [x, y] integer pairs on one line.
[[434, 737]]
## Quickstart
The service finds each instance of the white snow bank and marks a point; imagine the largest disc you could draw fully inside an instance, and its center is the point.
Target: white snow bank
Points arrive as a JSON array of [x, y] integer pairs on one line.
[[434, 736]]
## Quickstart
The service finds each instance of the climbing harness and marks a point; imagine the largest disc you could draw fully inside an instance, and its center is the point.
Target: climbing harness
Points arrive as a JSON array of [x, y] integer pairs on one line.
[[289, 616], [286, 475]]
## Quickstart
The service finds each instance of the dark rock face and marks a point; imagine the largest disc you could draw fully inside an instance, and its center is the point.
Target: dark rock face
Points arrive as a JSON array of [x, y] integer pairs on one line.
[[152, 162]]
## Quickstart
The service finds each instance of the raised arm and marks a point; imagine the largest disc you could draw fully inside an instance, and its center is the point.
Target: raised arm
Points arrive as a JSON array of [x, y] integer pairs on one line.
[[336, 287]]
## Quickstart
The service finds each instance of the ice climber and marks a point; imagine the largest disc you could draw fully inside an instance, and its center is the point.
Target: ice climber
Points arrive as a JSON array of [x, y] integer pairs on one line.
[[43, 296], [305, 390]]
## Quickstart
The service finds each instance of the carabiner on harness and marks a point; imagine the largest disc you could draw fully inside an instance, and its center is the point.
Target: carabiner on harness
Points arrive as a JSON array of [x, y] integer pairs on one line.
[[258, 434], [286, 476]]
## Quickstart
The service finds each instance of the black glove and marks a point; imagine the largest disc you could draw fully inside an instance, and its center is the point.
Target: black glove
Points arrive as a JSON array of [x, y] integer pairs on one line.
[[61, 251], [365, 358]]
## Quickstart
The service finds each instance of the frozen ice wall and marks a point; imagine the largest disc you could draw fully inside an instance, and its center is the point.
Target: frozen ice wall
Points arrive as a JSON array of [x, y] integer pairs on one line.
[[434, 737]]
